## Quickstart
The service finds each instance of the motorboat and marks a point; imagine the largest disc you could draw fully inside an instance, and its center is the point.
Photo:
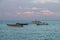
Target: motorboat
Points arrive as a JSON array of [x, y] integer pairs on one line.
[[39, 23]]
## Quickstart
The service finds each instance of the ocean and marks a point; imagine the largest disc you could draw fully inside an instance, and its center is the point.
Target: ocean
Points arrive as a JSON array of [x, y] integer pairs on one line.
[[30, 32]]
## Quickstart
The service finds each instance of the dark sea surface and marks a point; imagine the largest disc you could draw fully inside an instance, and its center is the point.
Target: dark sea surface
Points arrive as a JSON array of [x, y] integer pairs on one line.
[[30, 32]]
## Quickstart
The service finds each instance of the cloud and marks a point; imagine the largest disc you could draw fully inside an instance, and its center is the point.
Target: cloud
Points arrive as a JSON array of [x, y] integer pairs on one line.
[[20, 7], [45, 1], [37, 15], [47, 12], [43, 12], [35, 8], [27, 13], [29, 8]]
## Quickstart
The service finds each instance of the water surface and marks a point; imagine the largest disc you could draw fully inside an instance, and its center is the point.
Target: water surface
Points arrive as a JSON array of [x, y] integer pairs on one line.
[[30, 32]]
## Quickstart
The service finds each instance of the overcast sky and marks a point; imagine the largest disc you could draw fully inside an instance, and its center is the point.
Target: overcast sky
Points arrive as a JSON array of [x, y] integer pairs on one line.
[[29, 9]]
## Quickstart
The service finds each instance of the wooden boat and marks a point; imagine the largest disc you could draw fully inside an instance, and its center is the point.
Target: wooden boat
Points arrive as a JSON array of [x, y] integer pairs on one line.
[[17, 24]]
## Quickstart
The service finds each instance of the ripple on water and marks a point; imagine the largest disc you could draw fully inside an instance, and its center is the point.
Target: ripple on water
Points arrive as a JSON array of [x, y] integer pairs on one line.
[[30, 32]]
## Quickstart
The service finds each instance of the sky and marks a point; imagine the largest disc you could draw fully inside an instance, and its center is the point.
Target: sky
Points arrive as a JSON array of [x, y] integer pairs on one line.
[[29, 9]]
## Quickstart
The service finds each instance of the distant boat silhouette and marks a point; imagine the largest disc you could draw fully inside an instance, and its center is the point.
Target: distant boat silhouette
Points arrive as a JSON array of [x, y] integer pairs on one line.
[[39, 23]]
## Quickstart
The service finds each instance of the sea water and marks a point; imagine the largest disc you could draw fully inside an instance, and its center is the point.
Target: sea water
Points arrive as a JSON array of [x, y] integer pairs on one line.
[[30, 32]]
